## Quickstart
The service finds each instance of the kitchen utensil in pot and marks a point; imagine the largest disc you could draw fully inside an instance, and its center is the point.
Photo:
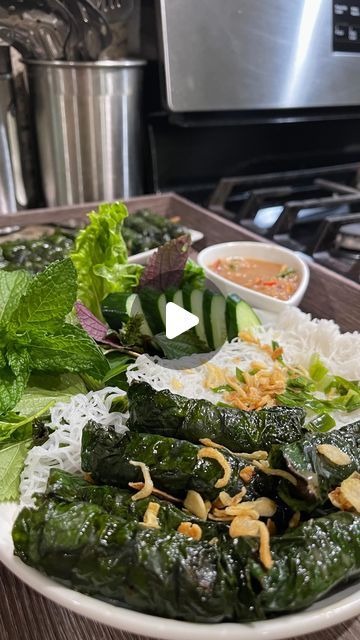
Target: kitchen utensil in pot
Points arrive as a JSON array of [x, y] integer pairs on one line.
[[94, 30], [21, 39], [115, 10]]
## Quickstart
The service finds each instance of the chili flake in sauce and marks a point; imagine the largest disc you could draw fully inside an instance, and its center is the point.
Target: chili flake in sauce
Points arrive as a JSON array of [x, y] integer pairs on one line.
[[271, 278]]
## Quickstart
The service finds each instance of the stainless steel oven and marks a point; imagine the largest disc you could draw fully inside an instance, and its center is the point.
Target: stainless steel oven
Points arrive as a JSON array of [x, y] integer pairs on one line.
[[260, 54]]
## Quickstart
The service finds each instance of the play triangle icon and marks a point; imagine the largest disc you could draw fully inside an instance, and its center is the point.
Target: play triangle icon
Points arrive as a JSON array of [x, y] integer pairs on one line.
[[178, 320]]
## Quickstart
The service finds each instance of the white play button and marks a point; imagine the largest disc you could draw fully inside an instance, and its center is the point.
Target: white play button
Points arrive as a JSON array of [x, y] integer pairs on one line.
[[178, 320]]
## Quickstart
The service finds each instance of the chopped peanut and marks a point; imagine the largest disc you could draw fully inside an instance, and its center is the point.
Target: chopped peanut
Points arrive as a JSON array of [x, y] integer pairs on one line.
[[190, 529], [334, 454], [347, 496], [294, 520], [247, 473], [227, 501], [150, 518], [196, 505]]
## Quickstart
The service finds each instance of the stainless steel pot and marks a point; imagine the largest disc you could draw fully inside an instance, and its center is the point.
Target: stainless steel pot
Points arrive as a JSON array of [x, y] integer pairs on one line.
[[88, 124]]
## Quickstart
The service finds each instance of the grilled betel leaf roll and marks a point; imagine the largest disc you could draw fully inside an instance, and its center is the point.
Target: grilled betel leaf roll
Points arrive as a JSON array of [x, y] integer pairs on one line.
[[148, 570], [169, 574], [66, 487], [168, 414], [308, 562], [317, 474], [174, 464]]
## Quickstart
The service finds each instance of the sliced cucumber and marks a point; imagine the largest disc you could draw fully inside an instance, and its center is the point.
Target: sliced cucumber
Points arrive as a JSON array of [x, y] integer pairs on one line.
[[117, 308], [162, 307], [239, 316], [114, 309], [178, 299], [135, 307], [196, 307], [207, 315], [149, 302], [218, 320]]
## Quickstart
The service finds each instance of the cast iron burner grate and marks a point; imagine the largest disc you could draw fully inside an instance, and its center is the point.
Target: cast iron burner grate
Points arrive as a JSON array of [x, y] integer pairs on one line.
[[302, 210]]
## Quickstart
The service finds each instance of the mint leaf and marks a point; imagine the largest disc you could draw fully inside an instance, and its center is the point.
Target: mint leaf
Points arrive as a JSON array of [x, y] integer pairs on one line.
[[12, 458], [13, 285], [18, 360], [44, 389], [12, 387], [71, 349], [49, 297], [165, 267]]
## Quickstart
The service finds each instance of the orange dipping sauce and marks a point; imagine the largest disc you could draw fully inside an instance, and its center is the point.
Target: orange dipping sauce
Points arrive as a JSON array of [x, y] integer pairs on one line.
[[271, 278]]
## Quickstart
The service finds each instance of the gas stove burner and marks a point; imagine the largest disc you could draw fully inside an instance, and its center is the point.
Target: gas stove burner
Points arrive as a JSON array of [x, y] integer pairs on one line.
[[348, 237]]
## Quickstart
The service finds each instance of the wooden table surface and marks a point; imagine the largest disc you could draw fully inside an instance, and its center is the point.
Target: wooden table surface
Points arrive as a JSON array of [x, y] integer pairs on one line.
[[25, 615]]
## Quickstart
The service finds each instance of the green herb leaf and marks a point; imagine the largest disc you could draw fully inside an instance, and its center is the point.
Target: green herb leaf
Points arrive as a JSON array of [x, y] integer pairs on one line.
[[12, 422], [71, 349], [19, 360], [12, 458], [13, 285], [12, 387], [130, 333], [100, 257], [49, 297], [193, 276], [43, 390], [185, 345], [165, 267], [117, 366]]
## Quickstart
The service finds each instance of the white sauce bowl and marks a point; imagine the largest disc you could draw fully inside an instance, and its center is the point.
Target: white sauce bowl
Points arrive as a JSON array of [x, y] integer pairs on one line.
[[256, 251]]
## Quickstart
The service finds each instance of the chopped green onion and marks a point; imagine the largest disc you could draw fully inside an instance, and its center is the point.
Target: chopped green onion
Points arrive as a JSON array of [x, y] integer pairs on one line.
[[275, 345], [239, 375], [222, 388], [287, 272], [322, 423], [301, 382], [317, 369]]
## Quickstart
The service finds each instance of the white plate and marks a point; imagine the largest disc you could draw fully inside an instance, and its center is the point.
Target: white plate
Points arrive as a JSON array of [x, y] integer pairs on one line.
[[142, 258], [338, 607]]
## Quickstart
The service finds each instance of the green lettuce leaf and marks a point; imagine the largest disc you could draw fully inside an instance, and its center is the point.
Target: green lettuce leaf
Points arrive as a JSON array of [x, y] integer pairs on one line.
[[48, 298], [100, 257], [13, 285]]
